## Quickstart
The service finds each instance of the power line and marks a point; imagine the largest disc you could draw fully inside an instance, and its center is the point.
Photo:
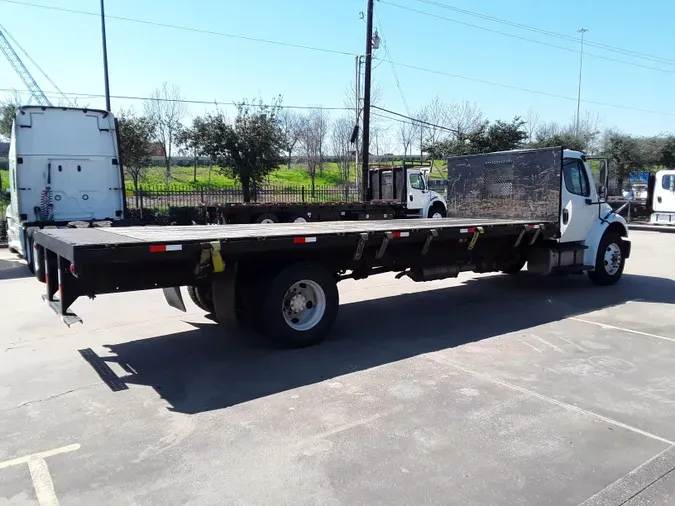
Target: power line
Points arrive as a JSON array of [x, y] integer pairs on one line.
[[393, 69], [414, 120], [526, 39], [180, 27], [607, 47], [185, 101], [535, 92]]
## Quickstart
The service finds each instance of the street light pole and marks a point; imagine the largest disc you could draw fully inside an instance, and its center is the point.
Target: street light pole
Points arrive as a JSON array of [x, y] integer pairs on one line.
[[366, 101], [582, 31], [105, 59]]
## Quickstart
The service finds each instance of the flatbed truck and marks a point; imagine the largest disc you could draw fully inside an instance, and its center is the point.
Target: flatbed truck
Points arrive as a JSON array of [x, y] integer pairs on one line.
[[539, 207]]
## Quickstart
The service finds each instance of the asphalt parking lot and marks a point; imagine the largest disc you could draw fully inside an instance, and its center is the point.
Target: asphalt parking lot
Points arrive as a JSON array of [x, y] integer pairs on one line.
[[483, 390]]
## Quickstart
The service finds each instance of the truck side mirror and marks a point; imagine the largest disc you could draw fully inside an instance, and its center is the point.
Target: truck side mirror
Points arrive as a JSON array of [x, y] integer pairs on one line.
[[602, 192]]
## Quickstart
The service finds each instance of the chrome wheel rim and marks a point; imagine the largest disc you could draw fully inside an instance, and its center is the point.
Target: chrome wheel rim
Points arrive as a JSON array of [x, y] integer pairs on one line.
[[304, 305], [437, 215], [612, 259], [299, 219], [267, 220]]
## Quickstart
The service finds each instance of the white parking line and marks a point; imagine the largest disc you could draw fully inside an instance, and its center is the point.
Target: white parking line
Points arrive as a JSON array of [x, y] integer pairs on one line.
[[564, 405], [612, 327], [39, 472]]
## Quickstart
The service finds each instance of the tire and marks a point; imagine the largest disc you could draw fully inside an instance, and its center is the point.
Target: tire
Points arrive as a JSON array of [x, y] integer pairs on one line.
[[267, 218], [29, 254], [514, 268], [299, 218], [202, 296], [610, 261], [294, 327], [437, 211]]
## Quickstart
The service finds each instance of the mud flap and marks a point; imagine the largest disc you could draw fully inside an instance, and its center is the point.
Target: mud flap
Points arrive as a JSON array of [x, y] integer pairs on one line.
[[225, 295], [174, 298]]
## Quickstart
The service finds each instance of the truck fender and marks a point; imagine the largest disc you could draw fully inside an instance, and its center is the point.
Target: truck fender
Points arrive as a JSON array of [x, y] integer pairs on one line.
[[613, 223], [436, 200]]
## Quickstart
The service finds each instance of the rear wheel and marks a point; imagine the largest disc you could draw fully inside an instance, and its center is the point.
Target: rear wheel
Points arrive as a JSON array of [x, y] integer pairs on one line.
[[202, 296], [514, 268], [609, 262], [267, 218], [298, 307], [299, 218]]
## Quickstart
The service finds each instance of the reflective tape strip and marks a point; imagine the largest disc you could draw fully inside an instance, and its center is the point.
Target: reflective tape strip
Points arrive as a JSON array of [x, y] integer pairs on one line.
[[395, 235], [467, 230], [303, 240], [165, 247]]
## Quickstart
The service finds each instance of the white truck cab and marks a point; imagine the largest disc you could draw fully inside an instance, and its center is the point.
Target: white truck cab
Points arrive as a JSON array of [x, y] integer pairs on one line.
[[422, 200], [662, 197], [63, 167]]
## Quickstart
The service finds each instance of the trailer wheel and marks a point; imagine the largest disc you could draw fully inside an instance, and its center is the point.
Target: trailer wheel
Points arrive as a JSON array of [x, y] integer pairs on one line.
[[437, 211], [202, 296], [610, 261], [298, 307], [267, 218]]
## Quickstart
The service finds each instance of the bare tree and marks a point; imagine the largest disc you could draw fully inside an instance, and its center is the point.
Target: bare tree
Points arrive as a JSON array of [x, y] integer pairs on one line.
[[406, 133], [290, 123], [166, 109], [309, 144], [464, 118], [321, 122], [434, 115], [343, 149], [532, 121]]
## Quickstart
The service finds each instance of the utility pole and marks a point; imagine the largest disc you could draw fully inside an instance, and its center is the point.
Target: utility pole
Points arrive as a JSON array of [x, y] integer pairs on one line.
[[366, 100], [105, 59], [357, 109], [582, 31]]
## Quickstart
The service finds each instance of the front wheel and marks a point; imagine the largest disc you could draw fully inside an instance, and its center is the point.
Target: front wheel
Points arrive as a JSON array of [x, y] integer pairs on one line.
[[610, 261], [437, 211], [202, 296], [298, 307]]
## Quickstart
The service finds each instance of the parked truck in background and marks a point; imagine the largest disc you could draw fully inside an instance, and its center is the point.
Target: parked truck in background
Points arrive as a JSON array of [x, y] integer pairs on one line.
[[661, 197], [63, 168], [540, 207], [396, 190]]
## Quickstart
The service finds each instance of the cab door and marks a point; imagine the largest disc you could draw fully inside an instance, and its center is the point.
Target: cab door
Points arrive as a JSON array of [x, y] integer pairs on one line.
[[664, 192], [579, 206], [416, 190]]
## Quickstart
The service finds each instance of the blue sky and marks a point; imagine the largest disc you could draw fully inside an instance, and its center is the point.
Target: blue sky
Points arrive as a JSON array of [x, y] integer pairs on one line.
[[211, 67]]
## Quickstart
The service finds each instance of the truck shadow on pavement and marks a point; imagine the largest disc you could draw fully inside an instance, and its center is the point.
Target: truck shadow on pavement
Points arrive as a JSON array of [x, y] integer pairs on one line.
[[13, 269], [204, 369]]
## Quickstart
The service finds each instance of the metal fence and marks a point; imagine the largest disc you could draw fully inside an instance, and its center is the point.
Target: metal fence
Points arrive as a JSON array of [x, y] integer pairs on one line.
[[160, 197]]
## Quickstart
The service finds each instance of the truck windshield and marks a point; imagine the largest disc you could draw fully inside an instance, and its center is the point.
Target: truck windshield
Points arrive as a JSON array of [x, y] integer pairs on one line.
[[668, 182]]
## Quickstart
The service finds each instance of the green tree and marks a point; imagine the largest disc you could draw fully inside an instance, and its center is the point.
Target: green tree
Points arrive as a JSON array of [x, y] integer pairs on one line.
[[250, 147], [485, 138], [668, 153], [566, 140], [135, 144], [7, 109], [190, 142], [625, 154]]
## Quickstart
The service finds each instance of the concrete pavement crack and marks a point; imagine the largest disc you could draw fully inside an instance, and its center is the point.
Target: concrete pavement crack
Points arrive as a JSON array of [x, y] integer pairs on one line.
[[49, 398]]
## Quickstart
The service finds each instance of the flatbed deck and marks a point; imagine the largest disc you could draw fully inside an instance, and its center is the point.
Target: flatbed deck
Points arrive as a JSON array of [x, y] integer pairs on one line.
[[69, 242]]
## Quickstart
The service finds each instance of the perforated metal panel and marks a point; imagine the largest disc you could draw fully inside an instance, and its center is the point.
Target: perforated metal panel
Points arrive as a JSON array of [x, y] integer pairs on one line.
[[521, 185]]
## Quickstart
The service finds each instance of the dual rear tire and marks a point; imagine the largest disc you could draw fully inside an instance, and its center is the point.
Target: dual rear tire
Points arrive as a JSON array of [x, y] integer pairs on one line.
[[293, 308]]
